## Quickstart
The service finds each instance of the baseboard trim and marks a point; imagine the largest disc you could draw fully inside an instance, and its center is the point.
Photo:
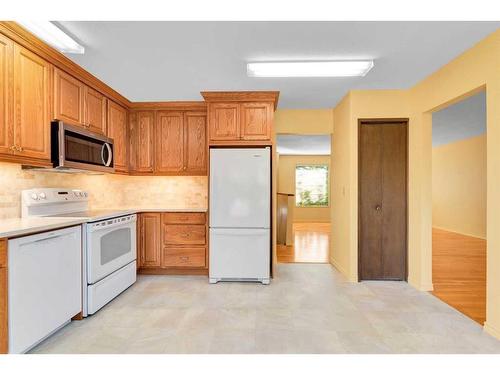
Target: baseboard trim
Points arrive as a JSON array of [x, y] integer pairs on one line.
[[429, 287], [342, 270], [495, 332]]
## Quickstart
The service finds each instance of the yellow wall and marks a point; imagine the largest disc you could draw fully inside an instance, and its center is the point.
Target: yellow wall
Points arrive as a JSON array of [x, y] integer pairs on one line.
[[286, 184], [474, 70], [459, 186], [303, 121], [106, 191]]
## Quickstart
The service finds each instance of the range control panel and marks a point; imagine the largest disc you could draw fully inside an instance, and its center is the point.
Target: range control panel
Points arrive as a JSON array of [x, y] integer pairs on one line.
[[53, 195]]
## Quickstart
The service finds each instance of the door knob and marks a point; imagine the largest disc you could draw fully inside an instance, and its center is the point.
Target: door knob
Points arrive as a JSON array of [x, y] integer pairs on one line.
[[377, 207]]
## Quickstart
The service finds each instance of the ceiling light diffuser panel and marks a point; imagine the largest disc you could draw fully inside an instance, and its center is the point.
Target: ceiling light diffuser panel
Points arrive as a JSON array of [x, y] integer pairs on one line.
[[53, 35], [309, 68]]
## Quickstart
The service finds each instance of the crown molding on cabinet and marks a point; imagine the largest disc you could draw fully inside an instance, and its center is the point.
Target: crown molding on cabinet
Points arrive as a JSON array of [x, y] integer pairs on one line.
[[175, 105], [29, 41], [242, 96]]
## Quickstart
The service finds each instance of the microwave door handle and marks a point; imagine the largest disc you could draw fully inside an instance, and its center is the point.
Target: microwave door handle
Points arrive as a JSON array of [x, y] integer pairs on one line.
[[106, 163], [110, 155]]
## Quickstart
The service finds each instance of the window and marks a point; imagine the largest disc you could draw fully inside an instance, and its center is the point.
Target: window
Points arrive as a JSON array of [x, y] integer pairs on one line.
[[311, 186]]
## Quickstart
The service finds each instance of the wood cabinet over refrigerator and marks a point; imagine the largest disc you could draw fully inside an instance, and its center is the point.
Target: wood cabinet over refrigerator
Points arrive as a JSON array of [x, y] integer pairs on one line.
[[239, 118]]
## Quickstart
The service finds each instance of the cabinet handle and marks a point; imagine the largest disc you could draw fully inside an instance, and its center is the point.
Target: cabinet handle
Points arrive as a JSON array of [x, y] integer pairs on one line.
[[12, 148], [184, 259]]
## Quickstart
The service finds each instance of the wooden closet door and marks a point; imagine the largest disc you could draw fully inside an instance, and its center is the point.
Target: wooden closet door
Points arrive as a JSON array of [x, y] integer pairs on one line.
[[169, 142], [31, 104], [382, 200], [196, 142]]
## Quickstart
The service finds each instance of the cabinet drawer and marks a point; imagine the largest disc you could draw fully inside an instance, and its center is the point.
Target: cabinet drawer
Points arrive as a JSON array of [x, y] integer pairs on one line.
[[184, 234], [184, 257], [183, 218]]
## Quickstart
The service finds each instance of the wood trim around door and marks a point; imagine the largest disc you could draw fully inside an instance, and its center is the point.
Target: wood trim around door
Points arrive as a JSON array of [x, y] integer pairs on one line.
[[375, 121]]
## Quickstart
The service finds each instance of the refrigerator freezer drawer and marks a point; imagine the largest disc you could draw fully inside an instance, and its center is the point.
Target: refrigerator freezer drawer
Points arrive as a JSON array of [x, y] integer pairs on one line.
[[240, 254]]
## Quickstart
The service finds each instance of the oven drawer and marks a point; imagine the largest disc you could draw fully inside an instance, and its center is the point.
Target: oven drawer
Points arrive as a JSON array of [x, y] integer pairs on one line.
[[183, 218], [184, 235], [184, 257]]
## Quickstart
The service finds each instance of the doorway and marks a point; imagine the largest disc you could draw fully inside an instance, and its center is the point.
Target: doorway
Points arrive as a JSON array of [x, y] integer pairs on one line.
[[382, 206], [459, 205], [303, 216]]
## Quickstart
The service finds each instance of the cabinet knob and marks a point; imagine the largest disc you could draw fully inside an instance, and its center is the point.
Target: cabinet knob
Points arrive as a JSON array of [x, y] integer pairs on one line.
[[378, 208]]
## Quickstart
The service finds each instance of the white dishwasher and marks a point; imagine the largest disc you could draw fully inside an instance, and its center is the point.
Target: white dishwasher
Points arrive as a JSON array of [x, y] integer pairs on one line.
[[45, 285]]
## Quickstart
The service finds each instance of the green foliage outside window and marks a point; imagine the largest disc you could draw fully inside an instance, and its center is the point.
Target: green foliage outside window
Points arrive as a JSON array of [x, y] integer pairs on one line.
[[311, 185]]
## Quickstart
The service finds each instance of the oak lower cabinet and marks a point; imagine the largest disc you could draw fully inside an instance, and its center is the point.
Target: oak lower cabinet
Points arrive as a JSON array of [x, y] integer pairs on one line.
[[179, 239], [149, 240], [117, 129]]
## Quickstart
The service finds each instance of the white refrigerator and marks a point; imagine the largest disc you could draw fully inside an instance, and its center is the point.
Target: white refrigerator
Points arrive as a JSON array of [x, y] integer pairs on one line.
[[240, 214]]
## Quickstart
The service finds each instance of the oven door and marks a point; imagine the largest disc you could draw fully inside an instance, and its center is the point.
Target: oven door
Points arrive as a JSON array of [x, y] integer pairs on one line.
[[111, 244], [77, 148]]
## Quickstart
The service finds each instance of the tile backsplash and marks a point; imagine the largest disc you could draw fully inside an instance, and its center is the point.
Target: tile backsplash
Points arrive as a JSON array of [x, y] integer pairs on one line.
[[106, 191]]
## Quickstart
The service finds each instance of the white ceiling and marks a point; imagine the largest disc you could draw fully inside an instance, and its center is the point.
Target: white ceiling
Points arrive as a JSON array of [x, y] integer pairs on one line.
[[459, 121], [151, 61], [292, 144]]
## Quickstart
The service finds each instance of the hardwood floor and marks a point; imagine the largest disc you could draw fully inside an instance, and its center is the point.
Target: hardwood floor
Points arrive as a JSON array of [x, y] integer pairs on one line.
[[311, 244], [459, 272]]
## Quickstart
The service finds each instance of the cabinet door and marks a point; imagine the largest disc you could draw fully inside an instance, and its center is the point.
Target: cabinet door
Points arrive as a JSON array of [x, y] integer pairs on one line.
[[195, 142], [224, 121], [117, 130], [256, 121], [6, 130], [149, 243], [31, 101], [169, 142], [95, 111], [68, 98], [141, 141]]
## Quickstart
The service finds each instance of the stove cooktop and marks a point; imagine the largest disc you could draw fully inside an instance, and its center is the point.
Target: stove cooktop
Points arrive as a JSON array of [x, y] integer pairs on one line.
[[95, 215]]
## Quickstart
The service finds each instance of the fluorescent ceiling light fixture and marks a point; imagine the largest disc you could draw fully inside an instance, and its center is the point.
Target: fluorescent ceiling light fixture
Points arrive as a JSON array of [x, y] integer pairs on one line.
[[309, 68], [53, 35]]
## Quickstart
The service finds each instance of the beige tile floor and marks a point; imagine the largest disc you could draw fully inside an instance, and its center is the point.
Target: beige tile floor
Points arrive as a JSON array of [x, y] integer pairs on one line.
[[309, 308]]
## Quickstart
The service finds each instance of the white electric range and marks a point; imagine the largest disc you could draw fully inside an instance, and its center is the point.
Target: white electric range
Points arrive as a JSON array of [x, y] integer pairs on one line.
[[108, 241]]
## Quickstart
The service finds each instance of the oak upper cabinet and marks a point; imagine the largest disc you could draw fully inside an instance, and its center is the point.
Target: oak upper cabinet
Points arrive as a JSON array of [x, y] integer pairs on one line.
[[256, 119], [149, 240], [6, 129], [195, 147], [31, 118], [69, 98], [224, 121], [239, 118], [117, 130], [169, 150], [95, 111], [141, 142], [181, 143]]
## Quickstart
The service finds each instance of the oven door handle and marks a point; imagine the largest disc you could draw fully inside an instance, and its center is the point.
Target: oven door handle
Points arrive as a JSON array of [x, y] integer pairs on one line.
[[106, 163]]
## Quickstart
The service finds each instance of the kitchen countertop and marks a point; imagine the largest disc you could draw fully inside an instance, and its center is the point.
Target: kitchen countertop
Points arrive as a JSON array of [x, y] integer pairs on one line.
[[24, 226]]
